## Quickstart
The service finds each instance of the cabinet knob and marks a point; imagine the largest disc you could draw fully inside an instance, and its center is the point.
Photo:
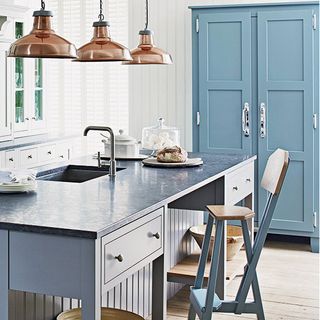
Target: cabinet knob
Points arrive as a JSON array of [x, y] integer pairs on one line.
[[27, 119], [156, 235], [248, 180], [29, 156], [235, 188], [34, 118], [62, 156], [49, 152], [119, 258], [11, 159]]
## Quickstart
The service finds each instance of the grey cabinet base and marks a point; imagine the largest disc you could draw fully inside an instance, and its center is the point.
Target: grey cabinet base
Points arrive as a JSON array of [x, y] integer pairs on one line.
[[314, 238], [315, 245]]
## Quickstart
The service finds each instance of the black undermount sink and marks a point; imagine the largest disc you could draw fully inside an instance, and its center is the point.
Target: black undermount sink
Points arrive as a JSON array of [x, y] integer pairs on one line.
[[74, 173]]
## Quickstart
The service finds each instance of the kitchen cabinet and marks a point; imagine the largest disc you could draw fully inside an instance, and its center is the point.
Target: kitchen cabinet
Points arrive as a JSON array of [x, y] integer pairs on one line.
[[22, 102], [27, 91], [256, 88], [32, 156], [5, 70], [83, 260]]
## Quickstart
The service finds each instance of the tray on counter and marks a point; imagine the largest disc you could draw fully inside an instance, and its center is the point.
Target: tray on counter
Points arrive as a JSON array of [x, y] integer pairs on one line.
[[152, 162]]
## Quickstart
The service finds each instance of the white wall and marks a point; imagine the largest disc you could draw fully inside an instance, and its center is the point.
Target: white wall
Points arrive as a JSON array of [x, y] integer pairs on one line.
[[81, 94], [165, 90]]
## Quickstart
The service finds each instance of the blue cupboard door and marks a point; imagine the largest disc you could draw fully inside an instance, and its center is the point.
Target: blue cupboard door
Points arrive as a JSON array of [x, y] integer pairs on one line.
[[285, 84], [225, 82]]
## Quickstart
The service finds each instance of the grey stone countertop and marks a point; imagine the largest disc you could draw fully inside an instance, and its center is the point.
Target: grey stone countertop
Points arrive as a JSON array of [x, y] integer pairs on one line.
[[100, 206]]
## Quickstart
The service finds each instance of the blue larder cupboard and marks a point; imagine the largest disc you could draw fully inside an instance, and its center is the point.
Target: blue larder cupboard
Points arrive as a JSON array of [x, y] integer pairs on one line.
[[256, 89]]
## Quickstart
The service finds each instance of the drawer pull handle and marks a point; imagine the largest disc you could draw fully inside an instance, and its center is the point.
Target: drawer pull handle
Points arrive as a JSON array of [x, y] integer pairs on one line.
[[156, 235], [11, 159], [29, 156], [235, 188], [62, 156], [248, 180], [49, 152], [119, 258]]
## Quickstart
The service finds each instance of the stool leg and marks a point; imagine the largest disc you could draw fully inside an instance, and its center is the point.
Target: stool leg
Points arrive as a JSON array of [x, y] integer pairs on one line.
[[204, 254], [213, 271], [202, 263], [192, 313]]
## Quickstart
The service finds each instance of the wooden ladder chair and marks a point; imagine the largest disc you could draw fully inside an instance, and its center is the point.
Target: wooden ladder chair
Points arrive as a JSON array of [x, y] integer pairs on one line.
[[204, 301]]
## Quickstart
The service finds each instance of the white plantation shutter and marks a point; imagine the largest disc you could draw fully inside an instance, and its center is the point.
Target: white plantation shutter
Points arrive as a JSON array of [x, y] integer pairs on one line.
[[81, 94]]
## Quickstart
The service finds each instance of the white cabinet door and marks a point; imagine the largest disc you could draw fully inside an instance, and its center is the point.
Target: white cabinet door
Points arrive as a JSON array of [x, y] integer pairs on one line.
[[5, 123], [27, 91]]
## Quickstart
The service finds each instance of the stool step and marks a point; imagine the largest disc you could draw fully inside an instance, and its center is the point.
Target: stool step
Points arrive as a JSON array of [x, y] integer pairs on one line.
[[198, 300]]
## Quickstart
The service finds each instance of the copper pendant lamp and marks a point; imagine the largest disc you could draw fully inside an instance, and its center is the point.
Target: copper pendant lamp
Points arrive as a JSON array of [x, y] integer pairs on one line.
[[101, 48], [147, 52], [42, 42]]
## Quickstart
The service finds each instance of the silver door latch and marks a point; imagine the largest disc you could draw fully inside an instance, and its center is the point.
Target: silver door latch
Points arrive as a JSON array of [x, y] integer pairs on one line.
[[262, 120], [246, 119], [198, 118]]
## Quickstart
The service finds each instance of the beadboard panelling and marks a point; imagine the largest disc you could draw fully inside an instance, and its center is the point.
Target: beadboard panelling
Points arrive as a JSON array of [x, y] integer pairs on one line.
[[134, 294]]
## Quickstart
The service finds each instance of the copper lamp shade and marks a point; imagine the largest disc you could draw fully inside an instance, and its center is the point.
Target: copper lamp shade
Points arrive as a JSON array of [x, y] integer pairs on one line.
[[42, 42], [147, 52], [101, 47]]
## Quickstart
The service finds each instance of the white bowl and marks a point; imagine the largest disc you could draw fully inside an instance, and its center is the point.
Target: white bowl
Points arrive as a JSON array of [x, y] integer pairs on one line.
[[234, 239]]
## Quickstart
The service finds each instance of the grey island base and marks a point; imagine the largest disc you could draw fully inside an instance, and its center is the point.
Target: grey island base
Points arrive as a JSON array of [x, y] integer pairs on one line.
[[78, 240]]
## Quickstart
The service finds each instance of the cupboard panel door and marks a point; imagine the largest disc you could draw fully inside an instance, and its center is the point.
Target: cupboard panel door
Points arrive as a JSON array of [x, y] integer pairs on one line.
[[225, 82], [285, 76], [5, 129]]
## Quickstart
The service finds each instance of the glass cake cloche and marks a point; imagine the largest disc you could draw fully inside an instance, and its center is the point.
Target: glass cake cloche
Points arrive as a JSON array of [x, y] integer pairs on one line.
[[160, 136]]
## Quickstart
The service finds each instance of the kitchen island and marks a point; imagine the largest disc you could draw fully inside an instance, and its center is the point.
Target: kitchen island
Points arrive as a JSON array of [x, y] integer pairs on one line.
[[103, 230]]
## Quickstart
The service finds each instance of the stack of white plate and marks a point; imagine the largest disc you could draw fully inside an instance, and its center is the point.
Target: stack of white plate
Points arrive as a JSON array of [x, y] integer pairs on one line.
[[18, 187]]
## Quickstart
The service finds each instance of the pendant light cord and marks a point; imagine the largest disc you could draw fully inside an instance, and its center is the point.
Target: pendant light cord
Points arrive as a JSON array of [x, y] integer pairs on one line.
[[101, 15], [43, 5], [147, 15]]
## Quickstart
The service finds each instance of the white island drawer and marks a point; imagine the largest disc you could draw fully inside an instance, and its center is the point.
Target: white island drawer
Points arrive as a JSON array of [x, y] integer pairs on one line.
[[239, 184], [127, 250]]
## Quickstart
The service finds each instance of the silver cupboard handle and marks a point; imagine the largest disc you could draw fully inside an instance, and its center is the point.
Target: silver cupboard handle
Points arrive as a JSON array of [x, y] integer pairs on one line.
[[262, 120], [245, 119]]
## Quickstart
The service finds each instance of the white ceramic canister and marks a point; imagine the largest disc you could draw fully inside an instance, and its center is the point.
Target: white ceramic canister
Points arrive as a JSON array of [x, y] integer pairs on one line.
[[125, 145]]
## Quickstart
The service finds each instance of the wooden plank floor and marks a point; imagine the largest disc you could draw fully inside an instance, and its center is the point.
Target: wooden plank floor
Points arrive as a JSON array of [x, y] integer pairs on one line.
[[289, 281]]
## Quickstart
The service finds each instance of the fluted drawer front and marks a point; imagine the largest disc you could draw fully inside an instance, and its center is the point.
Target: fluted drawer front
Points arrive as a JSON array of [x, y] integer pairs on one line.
[[239, 184], [123, 252]]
